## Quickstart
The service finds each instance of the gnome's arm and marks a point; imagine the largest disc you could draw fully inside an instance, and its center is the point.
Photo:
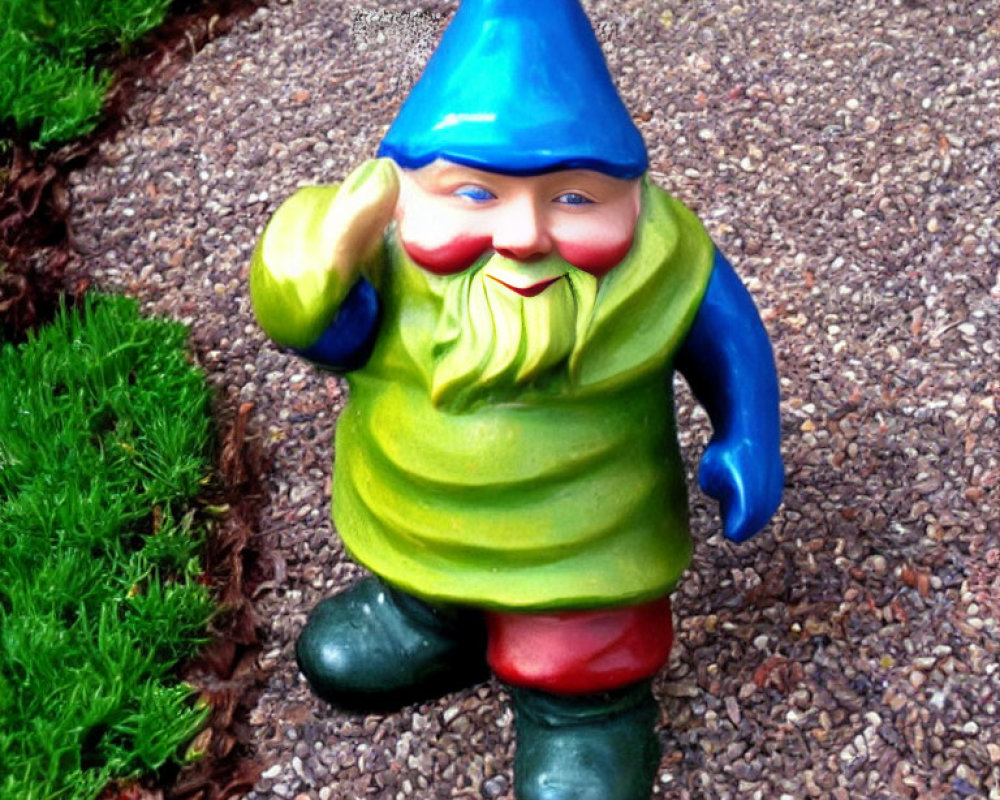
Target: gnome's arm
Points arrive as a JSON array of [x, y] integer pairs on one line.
[[306, 280], [727, 361], [347, 341]]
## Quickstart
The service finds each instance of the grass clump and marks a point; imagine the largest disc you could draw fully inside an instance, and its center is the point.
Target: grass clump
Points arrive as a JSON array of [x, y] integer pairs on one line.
[[51, 87], [104, 441]]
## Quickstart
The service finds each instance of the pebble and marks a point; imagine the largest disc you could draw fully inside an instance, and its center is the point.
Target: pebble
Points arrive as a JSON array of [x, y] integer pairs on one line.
[[495, 787], [733, 710]]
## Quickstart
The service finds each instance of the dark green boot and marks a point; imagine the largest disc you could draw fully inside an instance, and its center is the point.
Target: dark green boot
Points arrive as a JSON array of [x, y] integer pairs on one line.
[[592, 747], [375, 647]]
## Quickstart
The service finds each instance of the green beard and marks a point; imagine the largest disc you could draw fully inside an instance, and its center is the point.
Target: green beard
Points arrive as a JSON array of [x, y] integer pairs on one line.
[[490, 340]]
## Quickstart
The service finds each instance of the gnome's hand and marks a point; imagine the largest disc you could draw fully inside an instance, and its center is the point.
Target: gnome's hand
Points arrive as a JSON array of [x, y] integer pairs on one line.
[[359, 214], [313, 250], [746, 480]]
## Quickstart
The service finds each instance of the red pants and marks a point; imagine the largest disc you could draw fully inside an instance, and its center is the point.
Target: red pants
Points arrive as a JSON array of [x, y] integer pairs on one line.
[[580, 652]]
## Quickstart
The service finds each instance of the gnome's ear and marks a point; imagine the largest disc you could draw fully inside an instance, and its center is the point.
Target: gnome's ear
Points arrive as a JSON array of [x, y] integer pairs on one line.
[[520, 87]]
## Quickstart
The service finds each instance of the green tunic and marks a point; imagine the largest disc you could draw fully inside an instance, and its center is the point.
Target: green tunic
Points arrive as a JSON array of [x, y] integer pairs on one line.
[[571, 493]]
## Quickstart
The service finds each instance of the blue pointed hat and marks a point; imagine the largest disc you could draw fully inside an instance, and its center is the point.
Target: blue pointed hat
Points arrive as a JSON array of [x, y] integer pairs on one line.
[[520, 87]]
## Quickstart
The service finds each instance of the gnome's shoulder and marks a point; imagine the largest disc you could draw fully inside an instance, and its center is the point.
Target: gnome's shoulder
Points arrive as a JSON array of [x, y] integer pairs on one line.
[[668, 233], [646, 304], [664, 210]]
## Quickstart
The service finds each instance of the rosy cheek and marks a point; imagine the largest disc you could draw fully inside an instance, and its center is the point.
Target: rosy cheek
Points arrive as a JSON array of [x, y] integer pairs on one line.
[[597, 258], [454, 256]]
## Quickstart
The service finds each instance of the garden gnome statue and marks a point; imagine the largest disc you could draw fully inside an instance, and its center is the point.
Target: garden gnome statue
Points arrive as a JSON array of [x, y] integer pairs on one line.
[[508, 296]]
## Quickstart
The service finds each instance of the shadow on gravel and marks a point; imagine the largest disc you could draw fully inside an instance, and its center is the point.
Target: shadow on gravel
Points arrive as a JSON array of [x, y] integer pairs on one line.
[[36, 245]]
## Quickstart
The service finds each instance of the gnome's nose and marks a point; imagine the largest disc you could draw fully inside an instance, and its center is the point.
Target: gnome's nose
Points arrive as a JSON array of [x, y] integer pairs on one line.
[[520, 235]]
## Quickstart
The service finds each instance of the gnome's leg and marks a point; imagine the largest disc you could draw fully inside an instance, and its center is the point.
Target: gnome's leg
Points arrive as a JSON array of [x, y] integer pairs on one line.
[[584, 710], [374, 646], [585, 747]]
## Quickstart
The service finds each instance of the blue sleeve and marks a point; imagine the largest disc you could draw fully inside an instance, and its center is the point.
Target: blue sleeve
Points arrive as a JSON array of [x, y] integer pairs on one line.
[[727, 361], [347, 342]]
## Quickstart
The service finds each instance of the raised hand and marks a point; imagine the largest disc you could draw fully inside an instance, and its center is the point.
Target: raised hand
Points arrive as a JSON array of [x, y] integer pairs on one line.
[[313, 250], [359, 214]]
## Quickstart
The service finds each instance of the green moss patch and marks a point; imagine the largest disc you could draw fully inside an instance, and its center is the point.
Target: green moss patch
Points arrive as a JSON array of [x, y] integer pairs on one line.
[[104, 441], [51, 86]]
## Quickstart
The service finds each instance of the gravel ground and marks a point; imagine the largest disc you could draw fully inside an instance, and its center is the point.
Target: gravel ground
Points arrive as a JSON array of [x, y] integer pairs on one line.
[[847, 158]]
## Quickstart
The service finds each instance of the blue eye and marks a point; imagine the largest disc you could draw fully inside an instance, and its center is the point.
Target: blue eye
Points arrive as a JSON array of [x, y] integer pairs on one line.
[[573, 199], [475, 193]]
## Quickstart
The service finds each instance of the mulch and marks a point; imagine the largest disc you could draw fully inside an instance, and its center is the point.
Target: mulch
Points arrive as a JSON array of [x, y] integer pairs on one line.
[[35, 241]]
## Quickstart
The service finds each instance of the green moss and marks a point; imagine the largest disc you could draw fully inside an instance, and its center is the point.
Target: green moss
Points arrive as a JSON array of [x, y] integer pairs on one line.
[[51, 85], [104, 442]]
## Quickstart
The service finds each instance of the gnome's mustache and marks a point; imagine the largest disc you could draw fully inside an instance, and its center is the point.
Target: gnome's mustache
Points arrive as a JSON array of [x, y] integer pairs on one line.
[[465, 253], [526, 278]]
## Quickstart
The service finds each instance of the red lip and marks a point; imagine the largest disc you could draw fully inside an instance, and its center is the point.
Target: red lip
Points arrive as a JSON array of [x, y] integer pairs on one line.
[[528, 291]]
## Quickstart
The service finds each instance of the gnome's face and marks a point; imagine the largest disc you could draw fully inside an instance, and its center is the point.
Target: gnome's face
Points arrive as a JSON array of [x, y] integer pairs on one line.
[[519, 260], [451, 215]]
